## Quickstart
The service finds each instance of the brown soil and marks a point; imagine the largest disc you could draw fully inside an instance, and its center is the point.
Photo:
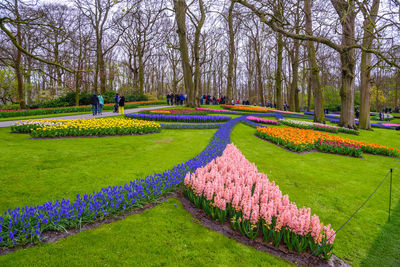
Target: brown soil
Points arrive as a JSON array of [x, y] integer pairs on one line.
[[298, 258]]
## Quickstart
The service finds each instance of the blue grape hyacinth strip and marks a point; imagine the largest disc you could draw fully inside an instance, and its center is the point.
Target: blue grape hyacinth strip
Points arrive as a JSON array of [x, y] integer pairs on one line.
[[179, 118], [26, 224], [190, 126]]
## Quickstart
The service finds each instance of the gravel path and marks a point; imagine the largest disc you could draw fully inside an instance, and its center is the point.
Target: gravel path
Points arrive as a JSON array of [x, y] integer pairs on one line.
[[87, 116]]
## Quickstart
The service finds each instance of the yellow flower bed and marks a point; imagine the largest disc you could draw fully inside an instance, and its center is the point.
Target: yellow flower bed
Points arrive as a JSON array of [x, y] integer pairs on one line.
[[93, 127]]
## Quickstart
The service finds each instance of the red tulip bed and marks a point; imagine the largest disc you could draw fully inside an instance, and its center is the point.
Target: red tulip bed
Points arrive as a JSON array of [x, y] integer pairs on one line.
[[231, 189], [177, 111]]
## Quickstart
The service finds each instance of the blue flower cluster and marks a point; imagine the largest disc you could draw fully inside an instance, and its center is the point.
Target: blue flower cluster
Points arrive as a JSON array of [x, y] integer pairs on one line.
[[26, 224], [253, 124], [178, 118], [190, 126]]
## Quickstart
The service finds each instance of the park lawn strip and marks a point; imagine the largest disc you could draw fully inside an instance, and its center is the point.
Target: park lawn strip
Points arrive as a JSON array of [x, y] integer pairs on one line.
[[36, 171], [43, 116], [162, 236], [333, 186]]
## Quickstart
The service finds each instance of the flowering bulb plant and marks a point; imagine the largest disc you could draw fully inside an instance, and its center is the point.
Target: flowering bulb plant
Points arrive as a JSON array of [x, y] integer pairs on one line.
[[178, 111], [261, 120], [85, 127], [301, 140], [258, 109], [317, 126], [231, 189]]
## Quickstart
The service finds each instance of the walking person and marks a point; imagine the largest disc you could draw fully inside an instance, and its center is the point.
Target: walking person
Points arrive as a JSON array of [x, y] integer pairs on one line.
[[101, 104], [94, 100], [168, 99], [116, 103], [121, 105]]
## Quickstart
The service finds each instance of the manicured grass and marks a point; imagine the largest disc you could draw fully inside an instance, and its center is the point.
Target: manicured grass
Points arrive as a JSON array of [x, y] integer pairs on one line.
[[36, 171], [163, 236], [334, 187]]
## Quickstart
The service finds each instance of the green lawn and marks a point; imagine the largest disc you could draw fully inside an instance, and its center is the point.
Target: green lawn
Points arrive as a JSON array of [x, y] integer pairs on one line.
[[334, 187], [43, 116], [36, 171]]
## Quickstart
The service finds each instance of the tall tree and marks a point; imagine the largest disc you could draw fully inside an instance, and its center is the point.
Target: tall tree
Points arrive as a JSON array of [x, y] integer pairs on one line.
[[366, 66], [180, 8], [315, 84]]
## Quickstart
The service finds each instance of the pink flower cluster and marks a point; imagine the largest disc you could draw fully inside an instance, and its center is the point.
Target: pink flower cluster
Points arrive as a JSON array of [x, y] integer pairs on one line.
[[232, 179], [261, 120], [391, 124], [215, 110]]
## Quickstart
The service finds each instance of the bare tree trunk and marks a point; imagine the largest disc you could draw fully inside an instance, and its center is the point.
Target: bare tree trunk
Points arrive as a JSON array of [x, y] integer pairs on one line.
[[396, 97], [196, 47], [28, 76], [102, 72], [180, 16], [260, 87], [315, 85], [18, 73], [278, 76], [230, 78], [141, 69], [365, 85], [347, 15], [309, 92]]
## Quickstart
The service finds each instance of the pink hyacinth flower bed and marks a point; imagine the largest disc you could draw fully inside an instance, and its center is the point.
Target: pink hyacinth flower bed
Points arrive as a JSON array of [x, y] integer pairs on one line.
[[261, 120], [231, 189], [391, 124]]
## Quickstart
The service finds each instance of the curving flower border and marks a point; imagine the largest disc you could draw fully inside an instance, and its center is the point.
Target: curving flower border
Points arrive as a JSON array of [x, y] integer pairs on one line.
[[190, 126]]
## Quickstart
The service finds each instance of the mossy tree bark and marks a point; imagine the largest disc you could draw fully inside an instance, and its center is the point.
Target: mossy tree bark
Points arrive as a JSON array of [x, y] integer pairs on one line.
[[366, 80], [315, 84], [347, 14], [180, 17], [229, 94]]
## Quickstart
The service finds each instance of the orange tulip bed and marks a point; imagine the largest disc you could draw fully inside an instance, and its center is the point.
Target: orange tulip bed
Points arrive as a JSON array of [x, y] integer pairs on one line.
[[257, 109], [299, 140]]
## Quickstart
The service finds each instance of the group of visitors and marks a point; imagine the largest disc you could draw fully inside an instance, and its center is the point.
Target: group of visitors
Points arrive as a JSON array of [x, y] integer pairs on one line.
[[97, 102], [384, 114], [208, 100], [119, 104], [176, 99]]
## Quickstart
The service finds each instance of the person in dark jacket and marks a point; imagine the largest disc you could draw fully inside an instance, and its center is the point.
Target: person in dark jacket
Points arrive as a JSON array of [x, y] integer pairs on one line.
[[357, 113], [168, 99], [94, 100], [116, 103], [121, 105]]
